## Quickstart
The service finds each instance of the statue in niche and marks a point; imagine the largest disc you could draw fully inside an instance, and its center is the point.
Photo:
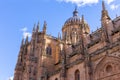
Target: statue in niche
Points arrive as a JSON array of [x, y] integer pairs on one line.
[[48, 50]]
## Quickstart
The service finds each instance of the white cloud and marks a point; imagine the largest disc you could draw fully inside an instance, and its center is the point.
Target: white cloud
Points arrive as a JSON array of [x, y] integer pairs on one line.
[[80, 2], [10, 78], [113, 4], [114, 7], [25, 32], [109, 1], [24, 29]]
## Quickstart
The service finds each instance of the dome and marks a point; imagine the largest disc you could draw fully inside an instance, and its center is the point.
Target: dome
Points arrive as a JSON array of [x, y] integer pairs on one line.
[[73, 20], [76, 20]]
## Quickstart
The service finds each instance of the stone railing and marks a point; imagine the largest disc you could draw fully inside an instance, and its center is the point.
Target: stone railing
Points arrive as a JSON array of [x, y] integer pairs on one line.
[[105, 48]]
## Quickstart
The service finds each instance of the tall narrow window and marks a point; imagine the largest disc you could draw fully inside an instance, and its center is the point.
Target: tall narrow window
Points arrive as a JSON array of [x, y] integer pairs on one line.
[[57, 55], [77, 75], [48, 50]]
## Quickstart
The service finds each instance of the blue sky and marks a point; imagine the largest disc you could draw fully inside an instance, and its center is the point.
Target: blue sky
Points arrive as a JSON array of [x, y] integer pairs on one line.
[[17, 18]]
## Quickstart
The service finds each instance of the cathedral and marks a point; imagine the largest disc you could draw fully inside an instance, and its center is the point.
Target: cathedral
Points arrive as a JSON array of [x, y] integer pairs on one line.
[[77, 54]]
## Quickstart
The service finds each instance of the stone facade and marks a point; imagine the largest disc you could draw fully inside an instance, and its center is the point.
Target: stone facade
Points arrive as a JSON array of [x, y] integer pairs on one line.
[[77, 55]]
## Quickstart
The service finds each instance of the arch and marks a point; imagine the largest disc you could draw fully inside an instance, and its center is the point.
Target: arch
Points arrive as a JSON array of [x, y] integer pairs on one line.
[[77, 75], [109, 65], [56, 78]]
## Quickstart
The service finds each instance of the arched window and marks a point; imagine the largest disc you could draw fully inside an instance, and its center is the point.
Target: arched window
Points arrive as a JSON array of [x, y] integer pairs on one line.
[[77, 75], [56, 78], [48, 50]]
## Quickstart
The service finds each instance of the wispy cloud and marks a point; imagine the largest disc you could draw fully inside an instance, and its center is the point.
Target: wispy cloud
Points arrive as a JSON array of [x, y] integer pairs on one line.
[[114, 7], [113, 4], [10, 78], [25, 32], [80, 2], [24, 29], [109, 1]]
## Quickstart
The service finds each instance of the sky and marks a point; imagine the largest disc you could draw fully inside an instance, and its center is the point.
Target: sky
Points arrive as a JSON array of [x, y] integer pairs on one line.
[[17, 18]]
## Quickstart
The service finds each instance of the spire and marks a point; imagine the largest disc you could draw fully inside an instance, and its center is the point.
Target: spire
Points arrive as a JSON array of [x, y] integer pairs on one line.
[[103, 5], [104, 12], [44, 27], [75, 12], [38, 26], [22, 42], [34, 31], [34, 27], [26, 41], [104, 22]]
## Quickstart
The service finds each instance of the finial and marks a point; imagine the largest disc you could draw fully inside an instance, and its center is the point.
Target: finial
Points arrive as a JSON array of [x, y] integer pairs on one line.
[[103, 5], [38, 26], [75, 12]]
